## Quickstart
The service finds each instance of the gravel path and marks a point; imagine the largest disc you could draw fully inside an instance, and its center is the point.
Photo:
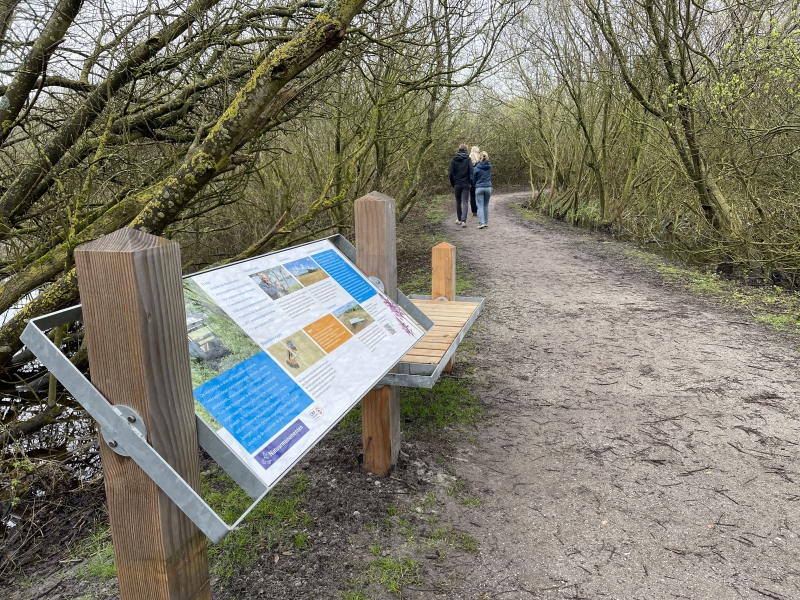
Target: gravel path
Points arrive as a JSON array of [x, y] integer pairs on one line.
[[646, 444]]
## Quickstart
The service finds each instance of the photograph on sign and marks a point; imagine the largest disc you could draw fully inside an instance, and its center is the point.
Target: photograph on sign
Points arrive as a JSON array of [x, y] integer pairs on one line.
[[282, 346]]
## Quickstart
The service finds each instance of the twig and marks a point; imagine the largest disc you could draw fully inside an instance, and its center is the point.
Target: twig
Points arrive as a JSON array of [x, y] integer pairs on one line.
[[403, 482]]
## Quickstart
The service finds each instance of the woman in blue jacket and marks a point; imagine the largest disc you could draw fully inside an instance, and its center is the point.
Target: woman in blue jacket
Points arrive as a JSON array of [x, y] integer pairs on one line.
[[482, 180]]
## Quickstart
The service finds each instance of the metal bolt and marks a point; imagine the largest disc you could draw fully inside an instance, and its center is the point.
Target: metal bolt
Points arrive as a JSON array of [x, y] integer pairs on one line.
[[131, 419], [112, 444]]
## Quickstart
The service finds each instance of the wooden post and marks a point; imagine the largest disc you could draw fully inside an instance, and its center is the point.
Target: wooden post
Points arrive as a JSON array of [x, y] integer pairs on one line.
[[133, 311], [376, 255], [443, 278]]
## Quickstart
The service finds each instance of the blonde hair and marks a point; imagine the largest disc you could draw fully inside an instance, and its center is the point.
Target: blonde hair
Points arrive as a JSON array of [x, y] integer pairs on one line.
[[484, 156], [474, 155]]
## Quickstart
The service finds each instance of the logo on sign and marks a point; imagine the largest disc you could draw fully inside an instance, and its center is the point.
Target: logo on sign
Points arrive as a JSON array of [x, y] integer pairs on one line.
[[281, 444], [315, 413]]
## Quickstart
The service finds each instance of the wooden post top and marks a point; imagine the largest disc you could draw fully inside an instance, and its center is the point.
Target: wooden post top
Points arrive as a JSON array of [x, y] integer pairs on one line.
[[133, 312], [443, 271], [376, 238], [375, 197], [125, 240]]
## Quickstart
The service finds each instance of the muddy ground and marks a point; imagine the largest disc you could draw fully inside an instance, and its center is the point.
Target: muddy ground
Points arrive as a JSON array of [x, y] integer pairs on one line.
[[638, 442], [647, 443]]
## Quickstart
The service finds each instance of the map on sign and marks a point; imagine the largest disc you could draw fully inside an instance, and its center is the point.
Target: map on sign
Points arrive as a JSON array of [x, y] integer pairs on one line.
[[282, 346]]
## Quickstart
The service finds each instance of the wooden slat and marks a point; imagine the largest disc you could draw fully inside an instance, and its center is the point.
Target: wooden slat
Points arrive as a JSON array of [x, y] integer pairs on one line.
[[432, 345], [438, 337], [435, 315], [449, 319], [421, 360], [439, 303], [442, 334], [436, 355]]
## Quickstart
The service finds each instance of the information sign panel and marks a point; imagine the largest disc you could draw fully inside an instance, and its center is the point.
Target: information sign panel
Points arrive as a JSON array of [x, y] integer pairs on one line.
[[283, 346]]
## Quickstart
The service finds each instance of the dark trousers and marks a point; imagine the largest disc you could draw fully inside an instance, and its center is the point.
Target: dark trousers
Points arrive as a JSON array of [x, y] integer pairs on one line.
[[462, 201], [473, 204]]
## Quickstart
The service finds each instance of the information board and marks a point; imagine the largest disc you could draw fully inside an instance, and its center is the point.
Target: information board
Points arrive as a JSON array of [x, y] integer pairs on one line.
[[283, 346]]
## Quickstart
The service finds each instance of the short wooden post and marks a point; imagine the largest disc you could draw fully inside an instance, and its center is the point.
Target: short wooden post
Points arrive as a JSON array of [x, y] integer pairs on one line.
[[443, 278], [376, 255], [133, 311]]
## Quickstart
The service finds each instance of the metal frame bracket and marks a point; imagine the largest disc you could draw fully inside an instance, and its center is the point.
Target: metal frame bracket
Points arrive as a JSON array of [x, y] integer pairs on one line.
[[126, 434], [421, 375], [124, 431]]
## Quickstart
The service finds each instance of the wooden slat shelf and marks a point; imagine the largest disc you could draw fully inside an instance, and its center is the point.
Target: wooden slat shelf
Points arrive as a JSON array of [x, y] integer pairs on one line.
[[449, 319], [445, 316]]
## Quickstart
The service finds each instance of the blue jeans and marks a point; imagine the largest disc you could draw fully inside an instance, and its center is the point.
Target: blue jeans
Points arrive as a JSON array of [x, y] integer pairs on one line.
[[482, 195]]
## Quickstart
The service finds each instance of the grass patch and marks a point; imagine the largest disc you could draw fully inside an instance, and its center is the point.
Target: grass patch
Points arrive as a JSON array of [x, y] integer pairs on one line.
[[769, 304], [99, 551], [278, 522], [436, 210], [450, 537], [459, 491], [469, 345], [528, 214], [449, 403], [385, 572], [351, 423], [420, 281]]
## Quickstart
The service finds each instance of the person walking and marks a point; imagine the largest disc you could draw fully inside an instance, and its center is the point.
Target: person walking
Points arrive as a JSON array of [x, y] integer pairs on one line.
[[482, 180], [474, 156], [461, 180]]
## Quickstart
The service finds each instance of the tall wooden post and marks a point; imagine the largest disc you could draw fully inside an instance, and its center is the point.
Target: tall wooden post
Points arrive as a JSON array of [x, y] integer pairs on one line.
[[133, 311], [443, 278], [376, 255]]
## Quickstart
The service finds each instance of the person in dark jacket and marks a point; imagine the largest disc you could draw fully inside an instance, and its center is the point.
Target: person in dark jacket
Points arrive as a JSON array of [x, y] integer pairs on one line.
[[482, 180], [461, 180], [474, 156]]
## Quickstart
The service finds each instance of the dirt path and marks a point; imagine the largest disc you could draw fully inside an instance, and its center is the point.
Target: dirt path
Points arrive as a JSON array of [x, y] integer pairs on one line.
[[647, 441]]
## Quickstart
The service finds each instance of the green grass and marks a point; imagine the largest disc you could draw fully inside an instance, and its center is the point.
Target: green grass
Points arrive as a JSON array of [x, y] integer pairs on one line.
[[469, 345], [391, 574], [447, 535], [529, 214], [771, 304], [459, 491], [470, 501], [99, 552], [437, 209], [420, 281], [449, 403], [278, 522]]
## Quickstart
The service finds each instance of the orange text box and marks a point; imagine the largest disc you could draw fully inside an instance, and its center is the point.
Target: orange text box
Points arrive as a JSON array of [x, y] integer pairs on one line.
[[328, 332]]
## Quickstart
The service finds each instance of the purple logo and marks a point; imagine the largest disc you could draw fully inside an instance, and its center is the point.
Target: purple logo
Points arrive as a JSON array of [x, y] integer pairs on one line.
[[281, 444]]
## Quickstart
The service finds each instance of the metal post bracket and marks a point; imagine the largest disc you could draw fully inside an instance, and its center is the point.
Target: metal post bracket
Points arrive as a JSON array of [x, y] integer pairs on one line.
[[123, 429]]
